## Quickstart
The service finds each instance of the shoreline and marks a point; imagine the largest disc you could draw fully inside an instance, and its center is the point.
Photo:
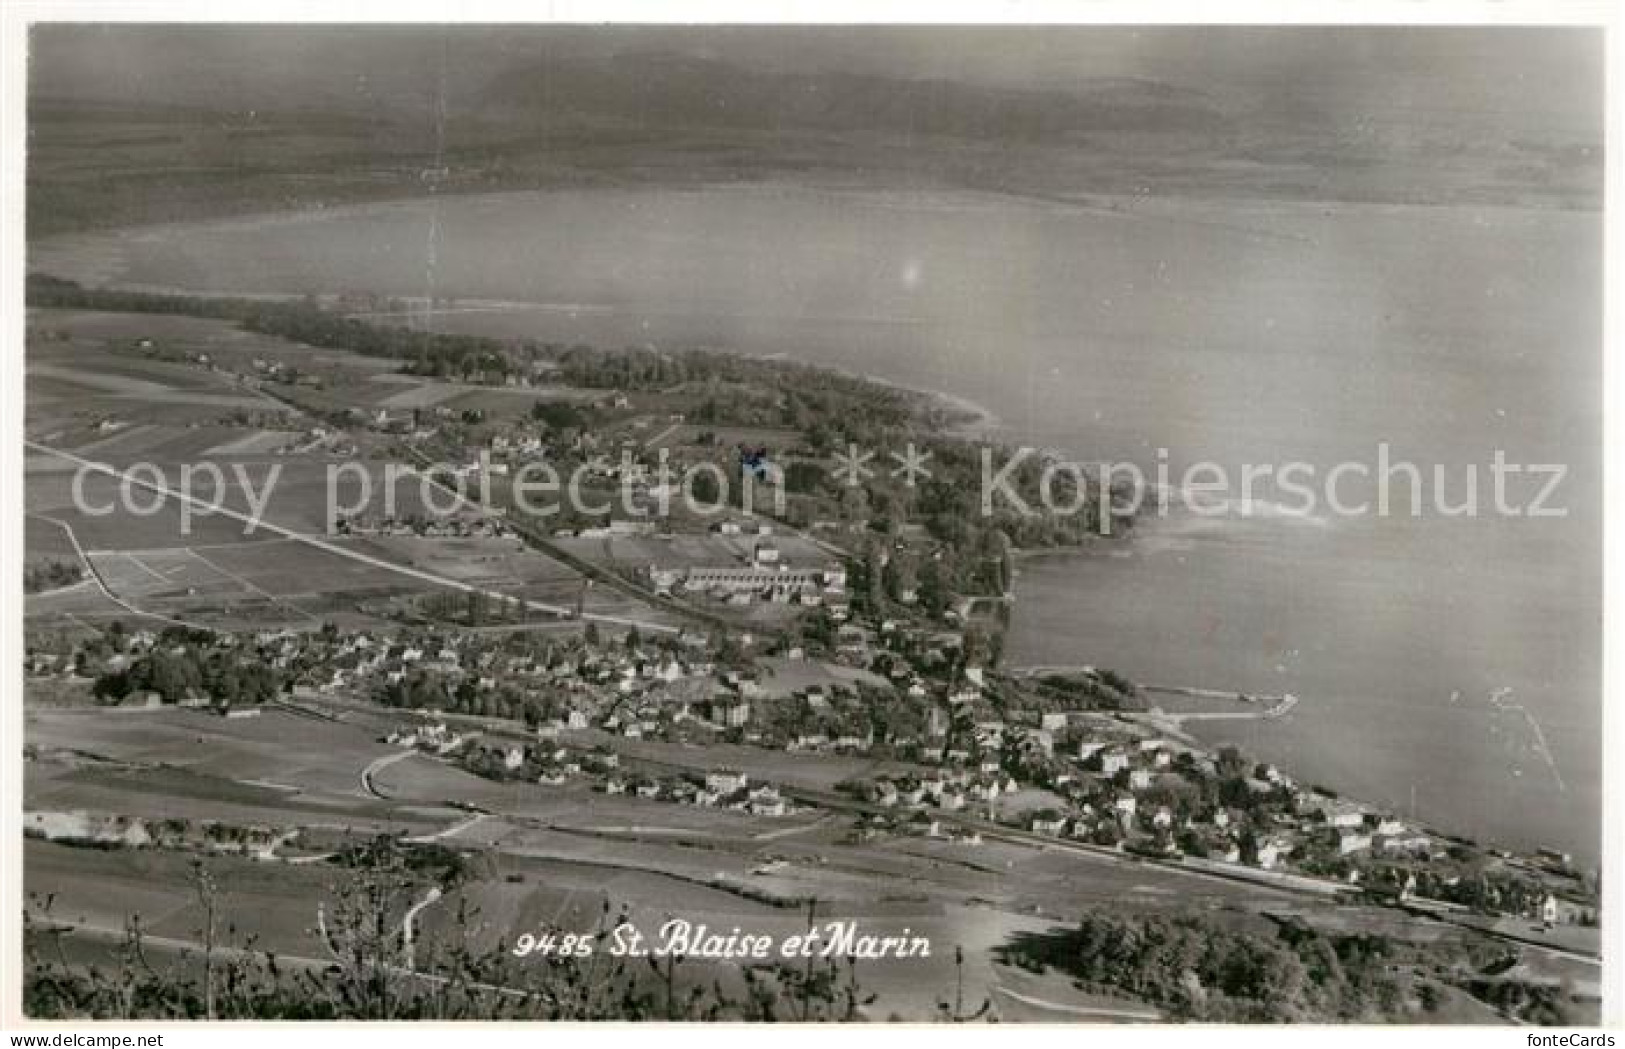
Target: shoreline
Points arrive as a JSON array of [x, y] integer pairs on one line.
[[973, 418], [1119, 203], [982, 419], [979, 422], [1212, 734]]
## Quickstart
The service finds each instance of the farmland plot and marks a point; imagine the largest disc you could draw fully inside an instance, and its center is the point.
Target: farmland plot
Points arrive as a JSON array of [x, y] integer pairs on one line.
[[275, 748], [273, 903]]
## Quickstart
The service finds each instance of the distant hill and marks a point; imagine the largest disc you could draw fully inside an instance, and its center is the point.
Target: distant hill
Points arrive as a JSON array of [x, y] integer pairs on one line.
[[668, 90], [146, 124]]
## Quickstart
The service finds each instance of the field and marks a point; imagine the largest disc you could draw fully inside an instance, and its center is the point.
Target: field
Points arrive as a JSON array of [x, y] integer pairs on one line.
[[87, 367], [198, 567], [459, 397], [571, 808], [159, 397], [773, 438], [784, 677], [558, 856], [291, 493], [273, 904], [88, 377], [278, 751], [277, 770], [497, 563]]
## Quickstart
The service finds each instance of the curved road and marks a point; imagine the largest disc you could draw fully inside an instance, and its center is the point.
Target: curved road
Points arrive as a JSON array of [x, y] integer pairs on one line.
[[377, 766]]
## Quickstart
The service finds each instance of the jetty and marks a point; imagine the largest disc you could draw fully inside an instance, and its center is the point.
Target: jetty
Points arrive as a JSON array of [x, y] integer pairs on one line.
[[1265, 704], [1273, 705]]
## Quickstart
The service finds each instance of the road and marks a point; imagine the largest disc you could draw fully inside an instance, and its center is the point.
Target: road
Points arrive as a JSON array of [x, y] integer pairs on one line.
[[654, 441], [409, 926], [1284, 884], [95, 576], [451, 830], [833, 802], [377, 766], [1083, 1012]]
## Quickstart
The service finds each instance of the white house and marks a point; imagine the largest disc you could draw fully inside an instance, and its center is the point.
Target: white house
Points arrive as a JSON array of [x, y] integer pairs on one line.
[[726, 781], [1351, 843]]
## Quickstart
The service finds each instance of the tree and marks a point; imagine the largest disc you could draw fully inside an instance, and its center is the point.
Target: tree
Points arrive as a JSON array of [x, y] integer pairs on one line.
[[558, 415], [934, 588], [855, 504], [803, 478], [1231, 762], [1247, 845], [875, 557], [375, 975], [705, 488], [171, 675], [902, 577]]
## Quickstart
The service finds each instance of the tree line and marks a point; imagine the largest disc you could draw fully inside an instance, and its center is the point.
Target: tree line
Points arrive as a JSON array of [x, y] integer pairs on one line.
[[1207, 968]]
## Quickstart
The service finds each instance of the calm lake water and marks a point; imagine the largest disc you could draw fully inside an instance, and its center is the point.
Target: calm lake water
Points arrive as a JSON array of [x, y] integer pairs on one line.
[[1439, 659]]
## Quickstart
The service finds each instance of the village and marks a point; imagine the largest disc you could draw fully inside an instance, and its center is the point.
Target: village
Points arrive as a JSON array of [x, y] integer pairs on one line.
[[702, 631], [957, 751]]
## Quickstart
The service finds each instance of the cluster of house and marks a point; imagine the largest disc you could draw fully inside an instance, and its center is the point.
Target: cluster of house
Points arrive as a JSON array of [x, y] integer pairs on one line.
[[68, 655], [1113, 783], [516, 445], [918, 823], [707, 698], [1120, 790], [948, 789], [546, 762], [398, 424], [831, 718], [432, 737], [1356, 829], [135, 832], [595, 677], [48, 663], [644, 689], [272, 369], [1115, 795], [465, 526], [815, 719], [642, 693], [633, 694], [552, 765], [623, 460], [721, 789], [314, 439], [1115, 786]]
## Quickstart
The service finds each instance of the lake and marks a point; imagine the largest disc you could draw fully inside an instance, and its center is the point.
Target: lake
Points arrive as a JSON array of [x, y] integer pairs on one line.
[[1446, 664]]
